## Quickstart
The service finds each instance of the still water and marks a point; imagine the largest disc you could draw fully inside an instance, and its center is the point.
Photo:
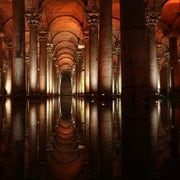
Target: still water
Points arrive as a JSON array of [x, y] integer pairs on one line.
[[66, 138]]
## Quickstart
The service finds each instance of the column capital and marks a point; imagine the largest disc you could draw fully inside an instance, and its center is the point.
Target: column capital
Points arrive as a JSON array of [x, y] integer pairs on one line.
[[152, 17], [116, 47], [8, 42], [49, 47], [43, 35], [33, 18], [78, 55], [92, 16]]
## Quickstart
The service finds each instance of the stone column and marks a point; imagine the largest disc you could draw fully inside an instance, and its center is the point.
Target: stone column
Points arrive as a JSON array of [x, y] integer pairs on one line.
[[8, 77], [93, 17], [152, 17], [48, 70], [42, 62], [73, 79], [78, 71], [50, 75], [135, 91], [53, 75], [105, 69], [82, 77], [55, 78], [173, 49], [18, 63], [117, 68], [86, 58], [1, 66], [33, 21]]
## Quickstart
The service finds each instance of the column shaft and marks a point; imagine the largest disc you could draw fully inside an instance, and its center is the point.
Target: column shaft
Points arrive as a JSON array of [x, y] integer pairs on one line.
[[174, 63], [33, 69], [7, 76], [105, 48], [42, 64], [1, 69], [93, 52], [78, 77], [18, 63], [87, 70], [49, 49], [151, 20], [78, 71], [135, 113]]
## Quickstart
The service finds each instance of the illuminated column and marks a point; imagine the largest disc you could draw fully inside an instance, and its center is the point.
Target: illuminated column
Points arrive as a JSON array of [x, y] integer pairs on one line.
[[169, 74], [117, 69], [1, 67], [93, 17], [151, 20], [55, 78], [49, 56], [82, 76], [119, 75], [73, 80], [173, 49], [105, 69], [77, 77], [57, 81], [78, 71], [52, 74], [18, 63], [42, 62], [33, 21], [87, 81], [7, 80]]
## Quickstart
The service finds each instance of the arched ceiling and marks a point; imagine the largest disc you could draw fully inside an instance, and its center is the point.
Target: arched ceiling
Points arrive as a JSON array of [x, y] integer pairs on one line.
[[66, 22], [170, 16]]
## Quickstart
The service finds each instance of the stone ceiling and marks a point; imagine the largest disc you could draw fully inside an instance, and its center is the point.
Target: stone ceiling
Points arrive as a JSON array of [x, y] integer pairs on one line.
[[67, 25]]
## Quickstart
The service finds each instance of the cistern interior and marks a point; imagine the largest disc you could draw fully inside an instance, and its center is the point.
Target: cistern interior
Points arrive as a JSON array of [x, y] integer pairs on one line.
[[90, 89]]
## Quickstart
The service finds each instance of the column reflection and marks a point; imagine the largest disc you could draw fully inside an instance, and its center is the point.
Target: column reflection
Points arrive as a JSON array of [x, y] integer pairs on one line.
[[67, 138], [18, 133]]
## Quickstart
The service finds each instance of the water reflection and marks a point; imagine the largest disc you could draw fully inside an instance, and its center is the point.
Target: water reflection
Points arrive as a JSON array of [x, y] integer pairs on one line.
[[67, 138]]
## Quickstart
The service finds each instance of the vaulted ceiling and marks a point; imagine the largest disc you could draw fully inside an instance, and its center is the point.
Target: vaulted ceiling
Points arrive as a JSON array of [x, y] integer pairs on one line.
[[66, 23]]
